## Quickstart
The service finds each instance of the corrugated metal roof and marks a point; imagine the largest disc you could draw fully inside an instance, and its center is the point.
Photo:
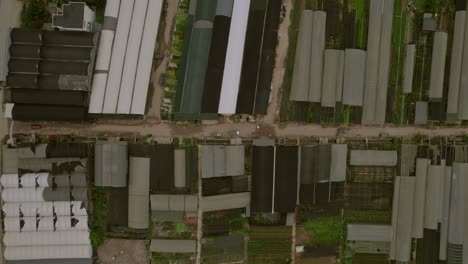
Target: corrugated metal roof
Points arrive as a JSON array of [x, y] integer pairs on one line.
[[224, 202], [457, 220], [339, 154], [34, 152], [456, 63], [436, 84], [138, 192], [220, 161], [419, 197], [316, 56], [403, 201], [409, 68], [373, 158], [163, 202], [111, 164], [408, 159], [354, 75], [361, 232], [9, 160], [434, 196], [173, 246], [53, 261], [179, 168]]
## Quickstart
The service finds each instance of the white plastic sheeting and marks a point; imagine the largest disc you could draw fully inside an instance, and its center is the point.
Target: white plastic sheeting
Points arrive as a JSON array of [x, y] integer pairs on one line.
[[31, 180], [45, 224], [11, 224], [16, 239], [48, 252], [10, 180], [103, 59], [11, 209], [63, 223], [118, 57], [78, 209], [131, 57], [145, 59], [331, 72], [22, 195], [234, 57]]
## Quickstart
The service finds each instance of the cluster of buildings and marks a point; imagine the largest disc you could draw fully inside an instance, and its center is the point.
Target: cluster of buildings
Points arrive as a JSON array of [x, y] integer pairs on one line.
[[228, 58]]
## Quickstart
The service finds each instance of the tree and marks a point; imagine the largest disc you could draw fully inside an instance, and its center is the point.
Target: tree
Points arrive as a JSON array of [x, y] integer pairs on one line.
[[34, 14]]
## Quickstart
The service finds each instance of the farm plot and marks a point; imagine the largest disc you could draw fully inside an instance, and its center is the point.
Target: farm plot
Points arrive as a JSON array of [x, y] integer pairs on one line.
[[269, 244]]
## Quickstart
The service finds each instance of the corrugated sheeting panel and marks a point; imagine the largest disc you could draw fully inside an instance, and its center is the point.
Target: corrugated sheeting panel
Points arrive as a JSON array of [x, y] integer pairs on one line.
[[262, 178], [384, 61], [409, 68], [354, 75], [458, 204], [456, 62], [455, 254], [129, 71], [434, 196], [179, 168], [373, 158], [173, 246], [118, 56], [145, 60], [330, 79], [235, 159], [316, 56], [10, 180], [372, 61], [138, 193], [9, 160], [225, 202], [361, 232], [339, 154], [48, 252], [220, 160], [402, 218], [110, 164], [22, 80], [308, 163], [286, 179], [420, 197], [235, 50], [69, 38], [439, 50]]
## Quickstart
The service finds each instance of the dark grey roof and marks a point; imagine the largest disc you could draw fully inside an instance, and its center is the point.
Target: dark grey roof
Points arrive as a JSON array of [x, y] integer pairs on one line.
[[421, 113], [111, 164], [48, 113], [71, 17]]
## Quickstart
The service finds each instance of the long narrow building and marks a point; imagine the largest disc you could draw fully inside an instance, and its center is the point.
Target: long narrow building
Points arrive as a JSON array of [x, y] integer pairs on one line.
[[104, 55], [456, 65], [233, 65]]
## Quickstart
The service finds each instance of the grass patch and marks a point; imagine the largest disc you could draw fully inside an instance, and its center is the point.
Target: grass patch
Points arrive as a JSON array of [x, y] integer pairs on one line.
[[324, 230], [367, 216], [180, 227], [100, 199]]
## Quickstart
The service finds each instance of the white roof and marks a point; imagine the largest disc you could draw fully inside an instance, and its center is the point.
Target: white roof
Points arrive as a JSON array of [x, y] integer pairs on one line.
[[48, 252], [226, 201], [47, 238], [361, 232]]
